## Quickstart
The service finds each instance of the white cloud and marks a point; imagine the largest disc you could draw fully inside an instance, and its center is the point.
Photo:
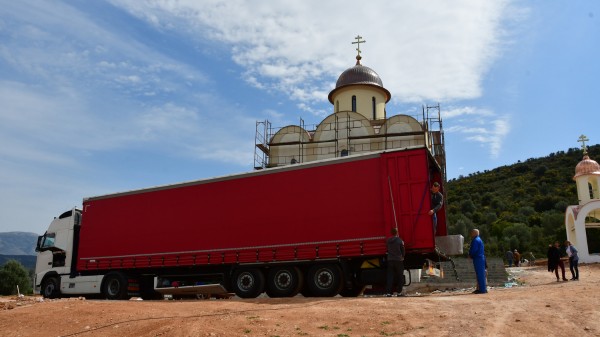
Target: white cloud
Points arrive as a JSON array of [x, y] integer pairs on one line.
[[453, 112], [478, 125], [435, 51], [77, 86]]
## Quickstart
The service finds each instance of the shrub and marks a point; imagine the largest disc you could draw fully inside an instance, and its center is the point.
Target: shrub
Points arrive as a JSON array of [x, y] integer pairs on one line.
[[12, 274]]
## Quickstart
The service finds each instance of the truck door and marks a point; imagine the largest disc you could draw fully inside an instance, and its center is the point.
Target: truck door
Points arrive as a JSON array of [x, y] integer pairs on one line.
[[406, 175]]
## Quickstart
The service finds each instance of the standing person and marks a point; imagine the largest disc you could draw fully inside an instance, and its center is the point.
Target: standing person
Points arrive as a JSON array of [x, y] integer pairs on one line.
[[517, 258], [548, 254], [554, 261], [395, 264], [509, 258], [573, 260], [437, 201], [476, 252]]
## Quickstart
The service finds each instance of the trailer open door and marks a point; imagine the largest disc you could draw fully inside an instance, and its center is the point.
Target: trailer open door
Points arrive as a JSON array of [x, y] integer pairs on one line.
[[408, 198]]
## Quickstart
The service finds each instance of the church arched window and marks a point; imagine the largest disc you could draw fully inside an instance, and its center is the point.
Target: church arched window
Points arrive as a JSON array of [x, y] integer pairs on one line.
[[354, 103], [374, 108], [337, 106]]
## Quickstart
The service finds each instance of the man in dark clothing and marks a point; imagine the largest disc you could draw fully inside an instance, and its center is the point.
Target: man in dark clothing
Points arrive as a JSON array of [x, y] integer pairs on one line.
[[554, 261], [395, 263], [509, 258], [437, 200]]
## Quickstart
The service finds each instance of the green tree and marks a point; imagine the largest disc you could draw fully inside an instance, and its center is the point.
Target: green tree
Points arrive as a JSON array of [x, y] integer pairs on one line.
[[534, 193], [467, 206], [12, 274], [553, 223], [521, 232]]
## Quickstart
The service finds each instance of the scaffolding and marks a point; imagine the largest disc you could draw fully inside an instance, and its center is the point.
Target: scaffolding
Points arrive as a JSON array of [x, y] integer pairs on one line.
[[261, 144], [347, 139], [433, 120]]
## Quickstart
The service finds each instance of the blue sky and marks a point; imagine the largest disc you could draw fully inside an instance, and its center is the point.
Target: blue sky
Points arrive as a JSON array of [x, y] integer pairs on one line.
[[105, 96]]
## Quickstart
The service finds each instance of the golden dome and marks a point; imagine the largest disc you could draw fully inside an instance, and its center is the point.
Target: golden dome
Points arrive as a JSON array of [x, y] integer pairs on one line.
[[587, 166]]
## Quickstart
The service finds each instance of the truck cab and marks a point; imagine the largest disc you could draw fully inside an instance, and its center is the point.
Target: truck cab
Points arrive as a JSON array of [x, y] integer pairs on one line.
[[54, 274]]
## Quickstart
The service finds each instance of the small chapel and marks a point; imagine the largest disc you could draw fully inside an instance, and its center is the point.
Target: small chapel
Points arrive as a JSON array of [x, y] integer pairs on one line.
[[358, 124], [586, 215]]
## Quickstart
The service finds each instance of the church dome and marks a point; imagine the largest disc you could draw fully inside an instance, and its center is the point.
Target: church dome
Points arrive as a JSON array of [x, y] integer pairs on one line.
[[586, 167], [362, 75], [359, 74]]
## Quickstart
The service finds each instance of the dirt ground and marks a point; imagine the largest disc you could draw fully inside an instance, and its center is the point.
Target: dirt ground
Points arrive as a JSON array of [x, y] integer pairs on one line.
[[538, 306]]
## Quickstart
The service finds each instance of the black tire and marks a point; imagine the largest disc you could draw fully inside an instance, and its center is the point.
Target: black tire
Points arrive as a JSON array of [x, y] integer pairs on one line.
[[51, 287], [248, 282], [305, 291], [324, 280], [114, 287], [284, 282]]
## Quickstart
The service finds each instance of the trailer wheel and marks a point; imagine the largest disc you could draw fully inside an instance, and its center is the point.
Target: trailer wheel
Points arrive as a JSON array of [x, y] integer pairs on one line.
[[284, 282], [324, 280], [114, 286], [51, 287], [248, 282]]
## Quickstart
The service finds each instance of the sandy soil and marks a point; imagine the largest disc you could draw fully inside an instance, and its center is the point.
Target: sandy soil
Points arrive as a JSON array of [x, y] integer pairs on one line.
[[539, 306]]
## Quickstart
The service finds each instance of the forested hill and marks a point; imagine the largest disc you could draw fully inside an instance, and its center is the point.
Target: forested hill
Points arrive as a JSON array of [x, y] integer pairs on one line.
[[521, 206], [17, 243]]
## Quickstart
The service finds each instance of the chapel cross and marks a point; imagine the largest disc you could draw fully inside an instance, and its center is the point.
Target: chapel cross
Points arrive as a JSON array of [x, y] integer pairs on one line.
[[583, 139], [358, 42]]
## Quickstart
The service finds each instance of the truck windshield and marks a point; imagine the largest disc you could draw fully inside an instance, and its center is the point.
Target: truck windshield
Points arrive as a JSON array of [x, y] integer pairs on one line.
[[46, 241]]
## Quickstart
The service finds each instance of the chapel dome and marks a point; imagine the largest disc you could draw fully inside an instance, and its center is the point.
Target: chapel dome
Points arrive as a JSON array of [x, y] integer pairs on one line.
[[586, 167], [362, 75], [359, 74]]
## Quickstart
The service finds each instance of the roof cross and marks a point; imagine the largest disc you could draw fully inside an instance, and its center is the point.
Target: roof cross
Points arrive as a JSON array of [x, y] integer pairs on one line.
[[583, 139], [358, 42]]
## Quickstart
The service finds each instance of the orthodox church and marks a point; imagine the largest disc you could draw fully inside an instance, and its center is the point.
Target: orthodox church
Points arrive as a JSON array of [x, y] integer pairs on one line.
[[586, 215], [358, 124]]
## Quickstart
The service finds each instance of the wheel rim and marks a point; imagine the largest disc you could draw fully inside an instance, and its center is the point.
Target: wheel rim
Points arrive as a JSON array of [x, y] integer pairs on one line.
[[324, 278], [283, 280], [245, 281], [113, 287], [49, 288]]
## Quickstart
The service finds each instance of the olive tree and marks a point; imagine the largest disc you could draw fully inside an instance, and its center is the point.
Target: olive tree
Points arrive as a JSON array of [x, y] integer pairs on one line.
[[12, 274]]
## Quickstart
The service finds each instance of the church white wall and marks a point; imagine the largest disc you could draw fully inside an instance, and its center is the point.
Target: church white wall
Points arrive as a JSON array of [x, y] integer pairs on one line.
[[576, 230], [403, 124], [364, 95], [340, 126], [284, 154]]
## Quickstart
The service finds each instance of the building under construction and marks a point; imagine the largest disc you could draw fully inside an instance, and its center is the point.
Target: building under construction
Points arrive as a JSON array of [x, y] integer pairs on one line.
[[359, 124]]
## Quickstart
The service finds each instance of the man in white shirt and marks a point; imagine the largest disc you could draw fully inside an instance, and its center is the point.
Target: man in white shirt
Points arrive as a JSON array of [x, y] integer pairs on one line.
[[573, 260]]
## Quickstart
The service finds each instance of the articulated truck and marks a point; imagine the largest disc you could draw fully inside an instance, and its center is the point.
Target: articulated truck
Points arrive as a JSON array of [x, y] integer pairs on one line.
[[316, 228]]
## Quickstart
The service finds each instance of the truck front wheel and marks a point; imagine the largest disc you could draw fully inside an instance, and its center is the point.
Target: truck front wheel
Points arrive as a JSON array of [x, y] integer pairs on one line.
[[248, 282], [284, 282], [114, 286], [324, 280], [51, 287]]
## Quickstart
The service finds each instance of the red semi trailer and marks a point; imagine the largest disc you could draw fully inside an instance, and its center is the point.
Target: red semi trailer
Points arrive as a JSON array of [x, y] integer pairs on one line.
[[318, 228]]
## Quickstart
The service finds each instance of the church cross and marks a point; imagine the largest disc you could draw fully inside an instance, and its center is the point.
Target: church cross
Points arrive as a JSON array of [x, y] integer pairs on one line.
[[583, 139], [358, 42]]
